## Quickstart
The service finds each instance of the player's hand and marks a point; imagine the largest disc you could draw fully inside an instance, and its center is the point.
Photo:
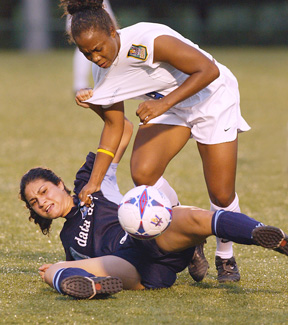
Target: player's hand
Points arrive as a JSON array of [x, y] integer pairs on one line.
[[42, 269], [83, 94], [85, 194], [150, 109]]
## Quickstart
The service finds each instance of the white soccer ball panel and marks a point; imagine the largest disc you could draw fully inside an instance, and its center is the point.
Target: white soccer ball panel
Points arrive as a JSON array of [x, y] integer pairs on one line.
[[144, 212]]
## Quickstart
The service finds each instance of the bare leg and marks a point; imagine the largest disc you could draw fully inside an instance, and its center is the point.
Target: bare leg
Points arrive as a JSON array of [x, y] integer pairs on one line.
[[190, 226], [101, 266], [127, 134], [219, 165], [155, 145]]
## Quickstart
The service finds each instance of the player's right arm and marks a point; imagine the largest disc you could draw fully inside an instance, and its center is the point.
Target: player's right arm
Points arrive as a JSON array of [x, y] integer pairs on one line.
[[110, 148], [111, 136]]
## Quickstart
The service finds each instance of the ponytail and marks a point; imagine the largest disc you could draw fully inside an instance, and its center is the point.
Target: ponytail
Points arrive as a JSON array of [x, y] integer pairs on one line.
[[87, 15]]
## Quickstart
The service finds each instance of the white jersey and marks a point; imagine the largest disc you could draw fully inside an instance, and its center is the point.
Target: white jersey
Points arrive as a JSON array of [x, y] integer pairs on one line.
[[213, 114], [133, 73]]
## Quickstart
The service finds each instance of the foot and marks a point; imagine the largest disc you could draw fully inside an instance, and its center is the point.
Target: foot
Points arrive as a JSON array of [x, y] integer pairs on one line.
[[82, 287], [271, 237], [227, 269], [198, 267]]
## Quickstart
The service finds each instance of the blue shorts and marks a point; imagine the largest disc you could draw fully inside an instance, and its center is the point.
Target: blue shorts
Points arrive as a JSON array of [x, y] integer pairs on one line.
[[157, 269]]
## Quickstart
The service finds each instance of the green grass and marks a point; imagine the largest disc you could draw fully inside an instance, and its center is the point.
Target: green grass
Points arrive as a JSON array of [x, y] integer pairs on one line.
[[41, 125]]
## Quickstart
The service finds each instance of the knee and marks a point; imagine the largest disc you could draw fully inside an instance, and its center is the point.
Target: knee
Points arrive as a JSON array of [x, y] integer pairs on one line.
[[143, 174], [222, 198]]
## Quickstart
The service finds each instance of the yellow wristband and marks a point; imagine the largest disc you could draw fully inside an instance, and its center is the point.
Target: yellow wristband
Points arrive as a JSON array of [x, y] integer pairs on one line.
[[109, 153]]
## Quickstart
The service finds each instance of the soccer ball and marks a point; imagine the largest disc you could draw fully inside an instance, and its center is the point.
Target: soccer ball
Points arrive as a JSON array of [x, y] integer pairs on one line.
[[144, 212]]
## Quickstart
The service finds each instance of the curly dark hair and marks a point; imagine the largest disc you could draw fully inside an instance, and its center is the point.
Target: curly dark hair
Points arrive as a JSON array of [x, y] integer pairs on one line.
[[33, 175], [87, 15]]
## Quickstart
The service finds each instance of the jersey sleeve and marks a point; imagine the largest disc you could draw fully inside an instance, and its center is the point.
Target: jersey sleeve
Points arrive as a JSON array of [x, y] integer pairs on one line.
[[109, 186], [141, 45]]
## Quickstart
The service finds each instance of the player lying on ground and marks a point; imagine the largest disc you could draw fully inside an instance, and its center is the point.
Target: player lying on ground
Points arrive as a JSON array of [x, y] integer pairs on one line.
[[112, 259]]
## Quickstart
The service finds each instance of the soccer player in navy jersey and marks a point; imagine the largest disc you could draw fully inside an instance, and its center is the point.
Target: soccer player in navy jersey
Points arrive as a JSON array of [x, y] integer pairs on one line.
[[101, 258]]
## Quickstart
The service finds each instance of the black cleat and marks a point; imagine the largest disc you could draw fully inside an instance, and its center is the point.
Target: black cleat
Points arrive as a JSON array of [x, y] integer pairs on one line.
[[82, 287], [272, 238], [227, 269], [198, 267]]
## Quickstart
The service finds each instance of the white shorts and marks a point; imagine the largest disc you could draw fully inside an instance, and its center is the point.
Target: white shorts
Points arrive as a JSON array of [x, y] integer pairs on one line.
[[215, 120]]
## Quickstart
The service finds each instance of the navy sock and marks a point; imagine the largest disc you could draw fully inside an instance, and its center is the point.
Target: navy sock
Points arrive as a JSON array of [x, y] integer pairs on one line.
[[64, 273], [234, 226]]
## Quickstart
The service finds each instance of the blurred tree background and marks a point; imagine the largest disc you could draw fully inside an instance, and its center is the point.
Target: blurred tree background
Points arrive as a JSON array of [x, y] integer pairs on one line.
[[37, 24]]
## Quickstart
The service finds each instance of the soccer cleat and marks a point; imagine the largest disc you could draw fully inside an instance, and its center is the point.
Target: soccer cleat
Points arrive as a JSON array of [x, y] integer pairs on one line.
[[82, 287], [227, 269], [271, 237], [198, 266]]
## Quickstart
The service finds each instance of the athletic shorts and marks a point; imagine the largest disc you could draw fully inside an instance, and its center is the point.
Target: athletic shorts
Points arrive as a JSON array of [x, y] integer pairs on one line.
[[217, 119], [157, 269]]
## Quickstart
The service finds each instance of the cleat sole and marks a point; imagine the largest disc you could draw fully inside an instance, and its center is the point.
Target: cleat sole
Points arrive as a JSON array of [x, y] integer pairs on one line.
[[87, 288], [271, 238]]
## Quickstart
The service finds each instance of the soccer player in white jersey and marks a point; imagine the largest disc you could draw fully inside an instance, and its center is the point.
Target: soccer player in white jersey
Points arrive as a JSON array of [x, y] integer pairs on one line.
[[186, 93]]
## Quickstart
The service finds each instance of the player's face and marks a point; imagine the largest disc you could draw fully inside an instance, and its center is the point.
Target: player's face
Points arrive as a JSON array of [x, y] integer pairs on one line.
[[48, 200], [99, 47]]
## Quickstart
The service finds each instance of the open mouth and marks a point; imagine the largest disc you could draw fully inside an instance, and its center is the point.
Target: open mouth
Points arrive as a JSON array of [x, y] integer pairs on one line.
[[49, 208]]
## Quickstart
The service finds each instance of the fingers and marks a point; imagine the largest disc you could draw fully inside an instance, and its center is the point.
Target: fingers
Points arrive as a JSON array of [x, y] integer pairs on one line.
[[42, 275], [42, 269], [146, 120], [148, 110], [82, 95], [143, 114], [85, 199]]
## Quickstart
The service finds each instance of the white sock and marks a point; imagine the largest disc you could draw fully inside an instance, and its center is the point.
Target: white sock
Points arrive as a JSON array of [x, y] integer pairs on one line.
[[109, 186], [225, 249], [163, 186]]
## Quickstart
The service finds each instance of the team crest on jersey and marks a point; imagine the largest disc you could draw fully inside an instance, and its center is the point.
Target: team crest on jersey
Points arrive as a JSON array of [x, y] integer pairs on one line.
[[138, 52]]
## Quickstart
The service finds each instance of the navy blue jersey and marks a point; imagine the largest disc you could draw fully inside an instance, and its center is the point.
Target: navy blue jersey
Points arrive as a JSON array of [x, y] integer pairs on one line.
[[93, 231], [97, 232]]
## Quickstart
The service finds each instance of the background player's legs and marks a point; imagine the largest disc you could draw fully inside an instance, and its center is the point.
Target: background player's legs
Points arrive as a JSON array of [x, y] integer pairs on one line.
[[81, 71], [126, 137], [219, 165]]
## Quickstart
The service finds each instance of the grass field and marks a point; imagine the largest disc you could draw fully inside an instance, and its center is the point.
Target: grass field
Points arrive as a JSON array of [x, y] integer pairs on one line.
[[41, 125]]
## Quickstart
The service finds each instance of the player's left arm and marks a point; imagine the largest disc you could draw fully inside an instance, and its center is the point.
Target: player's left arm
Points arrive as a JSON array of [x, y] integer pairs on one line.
[[201, 70]]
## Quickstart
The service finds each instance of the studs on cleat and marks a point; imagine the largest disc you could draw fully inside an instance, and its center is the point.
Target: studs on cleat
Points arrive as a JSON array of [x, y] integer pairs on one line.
[[82, 287]]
